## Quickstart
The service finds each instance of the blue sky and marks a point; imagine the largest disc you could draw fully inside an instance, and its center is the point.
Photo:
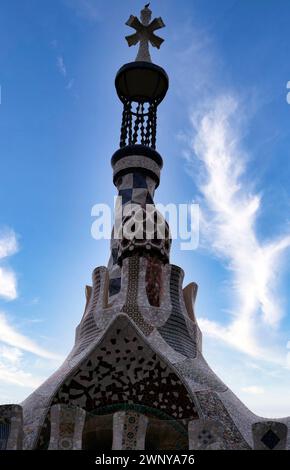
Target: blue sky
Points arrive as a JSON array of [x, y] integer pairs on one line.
[[224, 134]]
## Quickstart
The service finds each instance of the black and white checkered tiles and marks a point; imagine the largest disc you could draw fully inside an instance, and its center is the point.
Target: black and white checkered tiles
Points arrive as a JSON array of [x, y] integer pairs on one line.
[[134, 188]]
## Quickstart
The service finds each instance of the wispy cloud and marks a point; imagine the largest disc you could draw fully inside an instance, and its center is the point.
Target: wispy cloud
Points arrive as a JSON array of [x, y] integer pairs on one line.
[[13, 375], [14, 346], [8, 281], [229, 213], [12, 355], [70, 84], [254, 390], [8, 243], [10, 336], [86, 9], [8, 284], [12, 371], [61, 65]]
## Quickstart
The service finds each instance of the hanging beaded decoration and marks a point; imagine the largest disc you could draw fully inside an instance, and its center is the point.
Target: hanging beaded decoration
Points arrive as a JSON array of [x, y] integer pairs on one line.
[[139, 124]]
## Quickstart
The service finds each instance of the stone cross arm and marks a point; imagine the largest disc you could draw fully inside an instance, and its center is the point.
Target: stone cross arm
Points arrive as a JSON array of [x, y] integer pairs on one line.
[[144, 33]]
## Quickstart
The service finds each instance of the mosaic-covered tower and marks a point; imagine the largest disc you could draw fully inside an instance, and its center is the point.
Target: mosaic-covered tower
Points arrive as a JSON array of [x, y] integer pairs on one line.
[[136, 377]]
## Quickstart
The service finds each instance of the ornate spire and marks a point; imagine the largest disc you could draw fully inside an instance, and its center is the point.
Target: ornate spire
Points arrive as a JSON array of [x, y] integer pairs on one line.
[[141, 85], [144, 33]]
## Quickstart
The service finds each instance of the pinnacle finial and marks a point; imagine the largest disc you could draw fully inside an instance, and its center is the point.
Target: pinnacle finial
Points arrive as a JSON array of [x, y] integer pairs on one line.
[[144, 33]]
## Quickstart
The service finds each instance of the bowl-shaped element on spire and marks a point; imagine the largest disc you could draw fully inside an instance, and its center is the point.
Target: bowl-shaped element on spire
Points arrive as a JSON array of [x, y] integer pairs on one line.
[[141, 86], [142, 82]]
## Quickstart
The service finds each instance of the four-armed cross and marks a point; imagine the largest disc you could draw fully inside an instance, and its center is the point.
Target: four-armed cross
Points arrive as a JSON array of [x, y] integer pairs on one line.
[[144, 33]]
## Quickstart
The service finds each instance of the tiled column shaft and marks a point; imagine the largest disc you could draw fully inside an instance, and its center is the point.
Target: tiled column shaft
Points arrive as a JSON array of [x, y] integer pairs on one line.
[[205, 434], [67, 425], [129, 430], [11, 427]]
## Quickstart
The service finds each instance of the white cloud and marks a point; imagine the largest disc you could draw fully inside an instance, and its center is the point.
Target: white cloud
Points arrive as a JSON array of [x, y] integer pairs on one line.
[[15, 376], [8, 284], [10, 336], [11, 352], [8, 244], [12, 355], [229, 214], [63, 71], [8, 281], [15, 343], [218, 120], [70, 84], [61, 66], [254, 390], [11, 369]]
